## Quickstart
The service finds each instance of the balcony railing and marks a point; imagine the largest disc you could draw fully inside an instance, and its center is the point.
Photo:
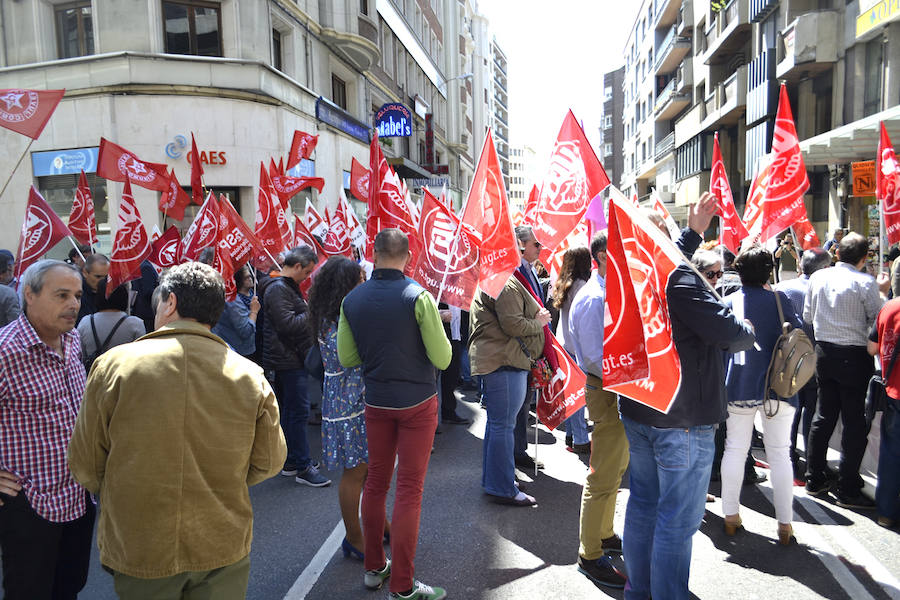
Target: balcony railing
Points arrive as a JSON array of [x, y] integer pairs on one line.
[[664, 94], [665, 45], [762, 91], [665, 145], [760, 9]]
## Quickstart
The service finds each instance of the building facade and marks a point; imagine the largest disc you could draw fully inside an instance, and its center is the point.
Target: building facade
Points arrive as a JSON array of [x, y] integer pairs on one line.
[[612, 127], [522, 174], [241, 76]]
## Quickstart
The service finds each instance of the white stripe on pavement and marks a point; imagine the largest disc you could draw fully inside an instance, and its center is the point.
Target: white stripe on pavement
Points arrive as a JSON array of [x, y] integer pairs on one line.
[[314, 569]]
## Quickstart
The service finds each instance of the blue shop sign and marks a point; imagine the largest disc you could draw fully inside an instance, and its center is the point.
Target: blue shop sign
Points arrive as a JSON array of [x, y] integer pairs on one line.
[[64, 162], [393, 120], [338, 118], [306, 168]]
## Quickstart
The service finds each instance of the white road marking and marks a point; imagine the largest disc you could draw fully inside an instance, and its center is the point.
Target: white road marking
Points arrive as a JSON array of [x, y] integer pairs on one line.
[[314, 569]]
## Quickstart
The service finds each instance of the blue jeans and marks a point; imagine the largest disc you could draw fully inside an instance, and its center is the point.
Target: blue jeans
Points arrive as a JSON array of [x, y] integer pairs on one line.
[[293, 402], [669, 474], [887, 492], [504, 393], [520, 434], [576, 427]]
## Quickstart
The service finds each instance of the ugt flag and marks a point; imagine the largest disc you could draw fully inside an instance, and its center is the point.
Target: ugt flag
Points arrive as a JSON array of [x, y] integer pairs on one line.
[[733, 230], [27, 111], [203, 230], [82, 222], [164, 249], [887, 185], [565, 394], [41, 230], [174, 200], [639, 356], [302, 146], [131, 244]]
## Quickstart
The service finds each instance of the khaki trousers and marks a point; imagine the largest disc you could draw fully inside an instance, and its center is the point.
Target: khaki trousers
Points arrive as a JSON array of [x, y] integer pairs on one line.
[[609, 459], [224, 583]]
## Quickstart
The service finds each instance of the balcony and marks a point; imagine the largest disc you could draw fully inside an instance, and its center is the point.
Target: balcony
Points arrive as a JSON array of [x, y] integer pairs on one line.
[[671, 52], [665, 146], [690, 123], [669, 102], [666, 13], [359, 48], [809, 45], [685, 21], [760, 9], [684, 76], [762, 88], [732, 30], [733, 96]]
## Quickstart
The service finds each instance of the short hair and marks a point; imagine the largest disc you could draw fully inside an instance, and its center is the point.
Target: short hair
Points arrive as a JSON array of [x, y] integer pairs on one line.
[[93, 259], [852, 248], [118, 298], [754, 265], [35, 275], [199, 291], [6, 260], [524, 233], [598, 244], [727, 256], [302, 254], [813, 260], [392, 243], [705, 259]]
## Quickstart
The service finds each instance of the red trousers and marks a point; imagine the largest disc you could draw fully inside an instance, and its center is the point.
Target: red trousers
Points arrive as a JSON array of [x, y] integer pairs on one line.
[[405, 435]]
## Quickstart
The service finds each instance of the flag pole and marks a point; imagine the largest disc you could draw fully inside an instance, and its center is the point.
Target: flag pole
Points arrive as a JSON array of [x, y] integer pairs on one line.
[[77, 249], [15, 168], [271, 257]]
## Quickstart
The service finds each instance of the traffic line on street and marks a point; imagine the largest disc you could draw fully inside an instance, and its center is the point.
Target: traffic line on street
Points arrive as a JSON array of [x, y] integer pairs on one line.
[[313, 570]]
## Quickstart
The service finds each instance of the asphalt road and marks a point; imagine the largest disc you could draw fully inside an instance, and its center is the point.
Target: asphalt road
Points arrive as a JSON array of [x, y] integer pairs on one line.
[[476, 549]]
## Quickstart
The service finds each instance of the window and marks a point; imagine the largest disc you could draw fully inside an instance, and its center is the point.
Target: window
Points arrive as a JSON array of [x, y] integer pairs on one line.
[[74, 29], [364, 7], [608, 93], [874, 68], [192, 28], [276, 49], [607, 149], [607, 121], [338, 91]]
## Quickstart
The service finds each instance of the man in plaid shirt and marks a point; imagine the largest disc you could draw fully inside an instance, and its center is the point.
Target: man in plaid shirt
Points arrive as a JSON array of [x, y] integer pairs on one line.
[[46, 518]]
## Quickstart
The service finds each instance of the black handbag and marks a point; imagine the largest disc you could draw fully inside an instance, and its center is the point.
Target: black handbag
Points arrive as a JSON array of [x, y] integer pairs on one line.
[[876, 396], [313, 363]]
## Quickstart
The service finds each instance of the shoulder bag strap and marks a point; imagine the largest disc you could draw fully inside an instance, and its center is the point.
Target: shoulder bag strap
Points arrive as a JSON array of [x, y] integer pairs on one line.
[[96, 337], [780, 312], [103, 348]]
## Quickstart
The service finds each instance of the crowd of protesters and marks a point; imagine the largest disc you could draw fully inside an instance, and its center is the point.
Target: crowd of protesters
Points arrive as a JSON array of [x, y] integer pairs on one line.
[[81, 422]]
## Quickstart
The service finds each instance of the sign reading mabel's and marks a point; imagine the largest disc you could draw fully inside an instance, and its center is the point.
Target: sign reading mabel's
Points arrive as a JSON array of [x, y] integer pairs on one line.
[[393, 120]]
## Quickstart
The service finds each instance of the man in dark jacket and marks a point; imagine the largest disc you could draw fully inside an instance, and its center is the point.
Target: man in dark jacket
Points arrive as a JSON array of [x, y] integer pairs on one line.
[[96, 268], [285, 343], [671, 454]]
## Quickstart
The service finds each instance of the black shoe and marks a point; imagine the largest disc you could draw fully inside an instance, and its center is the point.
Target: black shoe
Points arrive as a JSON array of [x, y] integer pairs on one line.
[[854, 500], [569, 441], [612, 544], [584, 449], [818, 487], [754, 477], [526, 502], [602, 572], [456, 420], [526, 462]]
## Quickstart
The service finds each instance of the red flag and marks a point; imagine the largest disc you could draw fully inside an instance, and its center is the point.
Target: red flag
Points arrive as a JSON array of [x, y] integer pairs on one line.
[[553, 259], [287, 187], [164, 250], [575, 176], [131, 244], [487, 213], [658, 205], [446, 258], [235, 246], [805, 234], [733, 230], [314, 221], [639, 356], [565, 394], [271, 226], [203, 230], [196, 173], [337, 241], [887, 185], [531, 205], [117, 164], [355, 230], [27, 111], [788, 181], [82, 222], [755, 198], [281, 166], [41, 230], [359, 180], [303, 236], [174, 200], [302, 146]]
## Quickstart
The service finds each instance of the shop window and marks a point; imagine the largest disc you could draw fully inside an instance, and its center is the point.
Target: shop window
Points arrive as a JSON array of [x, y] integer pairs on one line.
[[74, 29], [59, 192], [192, 28]]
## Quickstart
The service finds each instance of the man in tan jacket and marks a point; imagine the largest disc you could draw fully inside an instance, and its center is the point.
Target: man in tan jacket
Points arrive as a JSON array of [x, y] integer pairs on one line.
[[173, 430]]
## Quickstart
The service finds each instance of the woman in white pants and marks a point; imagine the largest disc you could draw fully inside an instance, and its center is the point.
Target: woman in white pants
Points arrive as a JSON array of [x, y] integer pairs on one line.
[[745, 382]]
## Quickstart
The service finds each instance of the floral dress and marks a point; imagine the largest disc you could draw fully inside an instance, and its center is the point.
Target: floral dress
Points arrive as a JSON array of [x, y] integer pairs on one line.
[[343, 421]]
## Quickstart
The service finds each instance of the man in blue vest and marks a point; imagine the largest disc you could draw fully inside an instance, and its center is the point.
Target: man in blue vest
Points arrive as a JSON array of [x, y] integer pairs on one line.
[[392, 327]]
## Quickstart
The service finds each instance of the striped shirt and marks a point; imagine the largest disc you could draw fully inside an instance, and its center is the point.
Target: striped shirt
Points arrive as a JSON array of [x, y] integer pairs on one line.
[[40, 394], [841, 304]]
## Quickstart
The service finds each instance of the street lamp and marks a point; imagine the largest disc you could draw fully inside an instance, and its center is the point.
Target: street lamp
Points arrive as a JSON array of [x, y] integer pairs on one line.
[[463, 76]]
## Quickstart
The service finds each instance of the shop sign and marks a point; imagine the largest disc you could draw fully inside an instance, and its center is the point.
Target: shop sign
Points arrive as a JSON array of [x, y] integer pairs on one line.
[[393, 120], [340, 119], [306, 168], [64, 162], [881, 13], [863, 178]]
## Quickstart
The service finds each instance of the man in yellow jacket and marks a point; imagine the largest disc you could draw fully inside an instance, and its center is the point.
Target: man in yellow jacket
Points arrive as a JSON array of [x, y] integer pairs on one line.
[[172, 431]]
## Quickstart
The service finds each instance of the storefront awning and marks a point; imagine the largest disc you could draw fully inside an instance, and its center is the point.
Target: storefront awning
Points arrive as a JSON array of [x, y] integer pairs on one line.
[[407, 169], [852, 142]]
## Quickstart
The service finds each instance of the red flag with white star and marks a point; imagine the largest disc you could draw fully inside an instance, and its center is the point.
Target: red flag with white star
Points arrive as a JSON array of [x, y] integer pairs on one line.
[[27, 111]]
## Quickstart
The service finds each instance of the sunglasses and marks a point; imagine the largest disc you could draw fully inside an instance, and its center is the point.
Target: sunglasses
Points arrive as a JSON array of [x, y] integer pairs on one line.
[[714, 274]]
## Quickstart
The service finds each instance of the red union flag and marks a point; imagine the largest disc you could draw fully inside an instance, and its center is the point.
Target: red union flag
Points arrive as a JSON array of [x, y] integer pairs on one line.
[[82, 223], [639, 356], [174, 200], [314, 221], [487, 213], [287, 187], [196, 173], [271, 225], [235, 246], [302, 146], [575, 176], [354, 228], [130, 246], [783, 199], [805, 234], [754, 208], [449, 256], [41, 230], [118, 164], [203, 230], [303, 236], [887, 185], [565, 394], [27, 111], [359, 181], [733, 230], [531, 205], [657, 205], [553, 259], [164, 250], [337, 241]]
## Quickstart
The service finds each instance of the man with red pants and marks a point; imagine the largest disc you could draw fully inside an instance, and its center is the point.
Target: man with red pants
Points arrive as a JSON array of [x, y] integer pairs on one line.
[[392, 327]]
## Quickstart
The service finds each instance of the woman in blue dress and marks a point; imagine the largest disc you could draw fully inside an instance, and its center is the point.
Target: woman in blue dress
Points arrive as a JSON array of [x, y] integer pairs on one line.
[[343, 420]]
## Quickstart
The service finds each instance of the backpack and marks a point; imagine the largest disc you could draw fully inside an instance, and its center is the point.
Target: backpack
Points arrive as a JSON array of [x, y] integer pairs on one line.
[[793, 362], [99, 348]]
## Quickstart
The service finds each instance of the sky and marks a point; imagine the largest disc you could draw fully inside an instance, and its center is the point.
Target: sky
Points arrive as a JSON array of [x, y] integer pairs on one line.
[[557, 53]]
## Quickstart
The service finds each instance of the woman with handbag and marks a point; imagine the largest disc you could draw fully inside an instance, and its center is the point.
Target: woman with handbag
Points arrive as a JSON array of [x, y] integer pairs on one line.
[[748, 393], [507, 336]]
